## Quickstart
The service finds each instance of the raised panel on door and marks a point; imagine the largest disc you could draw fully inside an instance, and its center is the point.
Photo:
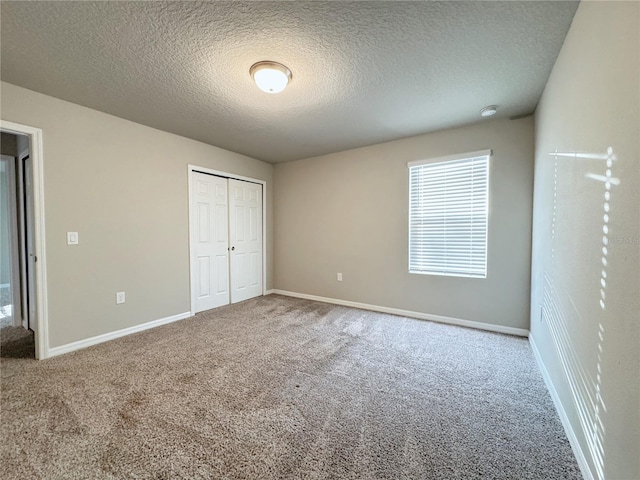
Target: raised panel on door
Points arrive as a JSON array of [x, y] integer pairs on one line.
[[209, 241], [203, 267], [245, 239]]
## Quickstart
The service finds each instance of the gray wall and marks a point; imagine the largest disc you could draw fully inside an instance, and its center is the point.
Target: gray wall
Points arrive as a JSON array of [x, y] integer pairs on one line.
[[348, 212], [22, 144], [123, 187], [5, 259], [11, 145], [8, 144], [592, 102]]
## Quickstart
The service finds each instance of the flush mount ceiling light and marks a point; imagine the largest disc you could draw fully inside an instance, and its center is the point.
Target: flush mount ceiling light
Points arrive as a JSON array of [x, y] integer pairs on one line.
[[488, 111], [271, 77]]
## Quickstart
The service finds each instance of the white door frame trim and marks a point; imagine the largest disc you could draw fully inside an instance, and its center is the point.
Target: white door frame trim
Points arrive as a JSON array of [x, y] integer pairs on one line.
[[195, 168], [42, 312]]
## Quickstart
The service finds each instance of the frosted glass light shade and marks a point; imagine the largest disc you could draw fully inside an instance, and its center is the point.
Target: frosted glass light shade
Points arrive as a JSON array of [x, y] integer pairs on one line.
[[270, 77], [489, 111]]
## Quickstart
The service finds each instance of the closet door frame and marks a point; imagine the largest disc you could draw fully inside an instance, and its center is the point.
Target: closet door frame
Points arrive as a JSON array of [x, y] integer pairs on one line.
[[195, 168]]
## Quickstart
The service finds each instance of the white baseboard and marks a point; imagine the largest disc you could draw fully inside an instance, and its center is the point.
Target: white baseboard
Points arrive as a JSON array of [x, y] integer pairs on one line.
[[521, 332], [587, 474], [269, 292], [105, 337]]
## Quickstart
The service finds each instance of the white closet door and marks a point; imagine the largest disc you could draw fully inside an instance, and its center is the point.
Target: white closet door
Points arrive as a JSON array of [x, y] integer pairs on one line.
[[245, 237], [209, 241]]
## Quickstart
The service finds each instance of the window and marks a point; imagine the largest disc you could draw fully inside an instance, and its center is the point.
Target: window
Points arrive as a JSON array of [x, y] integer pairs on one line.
[[448, 213]]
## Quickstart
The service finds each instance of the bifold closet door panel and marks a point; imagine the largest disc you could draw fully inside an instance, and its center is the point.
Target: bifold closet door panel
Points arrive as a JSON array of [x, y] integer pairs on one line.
[[245, 239], [209, 241]]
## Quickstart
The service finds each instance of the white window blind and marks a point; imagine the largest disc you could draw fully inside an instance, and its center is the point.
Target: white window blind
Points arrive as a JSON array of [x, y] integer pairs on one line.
[[448, 215]]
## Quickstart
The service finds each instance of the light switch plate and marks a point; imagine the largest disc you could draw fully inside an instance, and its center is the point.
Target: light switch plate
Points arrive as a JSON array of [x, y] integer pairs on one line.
[[120, 297], [72, 238]]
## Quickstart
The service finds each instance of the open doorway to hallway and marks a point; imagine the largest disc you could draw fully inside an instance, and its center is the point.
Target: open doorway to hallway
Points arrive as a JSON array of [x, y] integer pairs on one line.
[[17, 279]]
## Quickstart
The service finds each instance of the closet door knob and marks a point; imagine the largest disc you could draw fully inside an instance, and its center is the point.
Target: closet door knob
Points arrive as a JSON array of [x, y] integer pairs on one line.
[[233, 248]]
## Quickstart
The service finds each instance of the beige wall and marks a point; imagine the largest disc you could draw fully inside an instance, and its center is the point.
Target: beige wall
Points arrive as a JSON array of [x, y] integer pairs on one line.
[[590, 103], [348, 212], [123, 187]]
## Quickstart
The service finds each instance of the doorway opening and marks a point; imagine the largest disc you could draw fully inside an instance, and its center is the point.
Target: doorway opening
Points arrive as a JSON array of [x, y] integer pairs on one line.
[[226, 238], [17, 289], [23, 327]]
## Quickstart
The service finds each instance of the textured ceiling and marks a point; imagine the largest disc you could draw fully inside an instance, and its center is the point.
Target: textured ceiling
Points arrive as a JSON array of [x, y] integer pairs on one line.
[[363, 72]]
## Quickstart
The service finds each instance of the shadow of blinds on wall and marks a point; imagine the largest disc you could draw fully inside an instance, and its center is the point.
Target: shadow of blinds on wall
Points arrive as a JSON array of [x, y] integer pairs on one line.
[[448, 215], [582, 364]]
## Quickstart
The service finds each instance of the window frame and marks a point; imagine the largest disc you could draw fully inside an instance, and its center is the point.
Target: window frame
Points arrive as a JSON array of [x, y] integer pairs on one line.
[[441, 160]]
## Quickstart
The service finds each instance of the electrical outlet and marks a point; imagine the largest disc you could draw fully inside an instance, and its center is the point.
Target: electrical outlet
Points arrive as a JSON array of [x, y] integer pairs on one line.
[[120, 297], [339, 277]]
